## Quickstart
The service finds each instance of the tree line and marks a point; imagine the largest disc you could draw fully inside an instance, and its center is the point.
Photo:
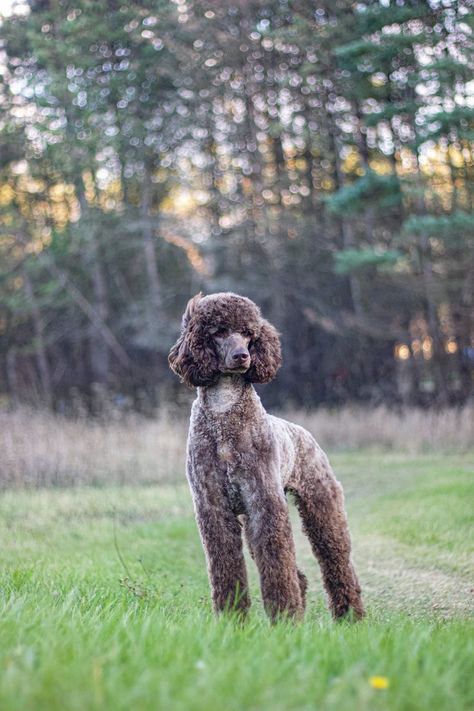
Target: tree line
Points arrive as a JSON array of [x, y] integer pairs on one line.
[[317, 157]]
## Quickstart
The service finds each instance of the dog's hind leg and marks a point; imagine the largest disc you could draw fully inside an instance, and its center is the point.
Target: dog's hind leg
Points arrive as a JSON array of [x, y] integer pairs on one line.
[[320, 502]]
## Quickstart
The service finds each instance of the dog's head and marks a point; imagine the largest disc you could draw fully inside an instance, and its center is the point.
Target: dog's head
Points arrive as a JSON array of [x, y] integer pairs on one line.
[[225, 334]]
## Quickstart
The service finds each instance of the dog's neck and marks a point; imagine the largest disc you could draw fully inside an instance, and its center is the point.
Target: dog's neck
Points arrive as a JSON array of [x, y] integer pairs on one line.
[[228, 393]]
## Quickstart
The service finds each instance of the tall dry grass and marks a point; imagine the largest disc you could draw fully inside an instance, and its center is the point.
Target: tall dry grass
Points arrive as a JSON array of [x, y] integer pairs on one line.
[[411, 430], [42, 449]]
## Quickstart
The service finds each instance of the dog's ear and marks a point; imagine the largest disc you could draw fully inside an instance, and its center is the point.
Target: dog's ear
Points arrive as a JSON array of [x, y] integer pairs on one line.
[[265, 354], [192, 357], [190, 310]]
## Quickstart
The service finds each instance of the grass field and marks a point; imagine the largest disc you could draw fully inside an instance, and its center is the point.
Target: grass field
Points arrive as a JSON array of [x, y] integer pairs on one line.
[[104, 602]]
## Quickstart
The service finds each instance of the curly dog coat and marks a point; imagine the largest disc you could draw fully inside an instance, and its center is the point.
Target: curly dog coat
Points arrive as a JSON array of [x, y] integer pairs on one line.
[[241, 461]]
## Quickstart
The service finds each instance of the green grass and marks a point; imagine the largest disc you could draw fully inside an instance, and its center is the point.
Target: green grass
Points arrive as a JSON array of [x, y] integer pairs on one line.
[[78, 631]]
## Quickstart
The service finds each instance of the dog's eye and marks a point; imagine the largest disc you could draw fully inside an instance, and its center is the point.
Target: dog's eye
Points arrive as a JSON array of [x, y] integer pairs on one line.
[[246, 333], [220, 332]]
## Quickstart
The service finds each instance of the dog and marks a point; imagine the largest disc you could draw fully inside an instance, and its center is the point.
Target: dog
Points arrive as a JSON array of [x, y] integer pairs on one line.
[[242, 461]]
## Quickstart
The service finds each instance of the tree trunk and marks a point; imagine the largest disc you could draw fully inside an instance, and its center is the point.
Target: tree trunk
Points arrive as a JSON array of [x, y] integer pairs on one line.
[[432, 317], [12, 378], [39, 342], [98, 348], [148, 243], [346, 225]]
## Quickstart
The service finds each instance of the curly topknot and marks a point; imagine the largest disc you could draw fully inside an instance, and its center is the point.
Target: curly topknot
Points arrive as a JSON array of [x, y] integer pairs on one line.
[[193, 357]]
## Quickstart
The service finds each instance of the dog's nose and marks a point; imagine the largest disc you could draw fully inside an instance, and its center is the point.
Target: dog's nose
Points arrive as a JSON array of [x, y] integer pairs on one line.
[[240, 356]]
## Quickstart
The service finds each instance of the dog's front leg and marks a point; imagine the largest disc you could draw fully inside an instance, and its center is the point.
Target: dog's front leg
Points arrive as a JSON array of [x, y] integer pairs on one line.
[[221, 536], [270, 539]]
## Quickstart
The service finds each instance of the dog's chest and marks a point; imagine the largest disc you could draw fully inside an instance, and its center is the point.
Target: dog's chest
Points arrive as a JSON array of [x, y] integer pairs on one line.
[[233, 440], [225, 453], [233, 461]]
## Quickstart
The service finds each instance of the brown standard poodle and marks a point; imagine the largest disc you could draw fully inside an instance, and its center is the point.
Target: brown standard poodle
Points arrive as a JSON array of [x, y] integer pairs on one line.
[[241, 461]]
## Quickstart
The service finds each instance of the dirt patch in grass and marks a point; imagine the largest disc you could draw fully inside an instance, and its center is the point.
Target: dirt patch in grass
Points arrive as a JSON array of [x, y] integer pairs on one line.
[[391, 580]]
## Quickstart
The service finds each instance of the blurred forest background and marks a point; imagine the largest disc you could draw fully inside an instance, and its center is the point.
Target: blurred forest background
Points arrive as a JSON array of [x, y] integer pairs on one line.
[[317, 157]]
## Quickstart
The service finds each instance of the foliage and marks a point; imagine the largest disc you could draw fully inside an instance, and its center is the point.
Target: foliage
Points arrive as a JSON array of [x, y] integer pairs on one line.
[[384, 190], [153, 149], [459, 224], [356, 259]]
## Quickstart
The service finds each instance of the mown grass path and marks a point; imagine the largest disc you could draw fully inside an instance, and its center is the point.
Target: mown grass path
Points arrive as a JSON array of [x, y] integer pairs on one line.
[[78, 631]]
